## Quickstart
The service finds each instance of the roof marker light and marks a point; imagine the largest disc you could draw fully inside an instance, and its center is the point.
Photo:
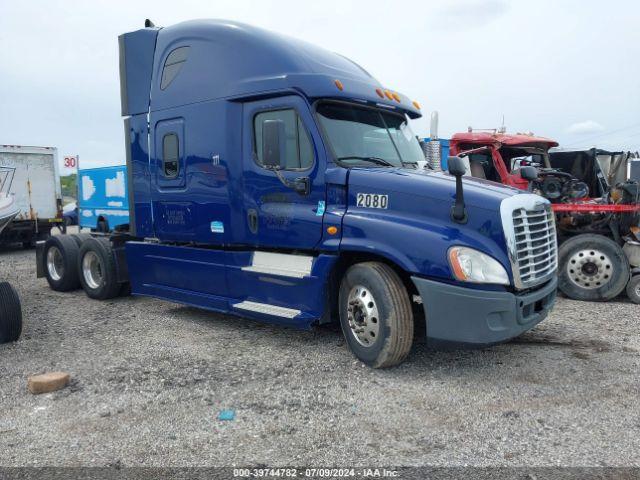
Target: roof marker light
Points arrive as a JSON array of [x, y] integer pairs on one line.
[[339, 85], [416, 104], [396, 97], [388, 94], [379, 92]]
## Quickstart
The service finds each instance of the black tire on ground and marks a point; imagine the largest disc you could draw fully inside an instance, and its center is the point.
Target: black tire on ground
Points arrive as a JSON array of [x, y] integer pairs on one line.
[[97, 269], [633, 289], [592, 267], [373, 299], [60, 257], [10, 314], [80, 237]]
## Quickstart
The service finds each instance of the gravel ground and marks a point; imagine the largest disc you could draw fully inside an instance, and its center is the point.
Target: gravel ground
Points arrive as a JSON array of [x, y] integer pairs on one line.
[[149, 378]]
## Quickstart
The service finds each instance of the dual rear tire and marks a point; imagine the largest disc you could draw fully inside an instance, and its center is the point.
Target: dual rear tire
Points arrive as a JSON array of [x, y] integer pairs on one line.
[[74, 261]]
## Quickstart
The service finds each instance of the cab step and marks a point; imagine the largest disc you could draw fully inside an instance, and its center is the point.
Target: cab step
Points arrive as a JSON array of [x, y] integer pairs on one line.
[[267, 309]]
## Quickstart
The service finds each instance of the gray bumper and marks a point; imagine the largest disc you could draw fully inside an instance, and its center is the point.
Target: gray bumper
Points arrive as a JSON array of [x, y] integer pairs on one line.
[[480, 317]]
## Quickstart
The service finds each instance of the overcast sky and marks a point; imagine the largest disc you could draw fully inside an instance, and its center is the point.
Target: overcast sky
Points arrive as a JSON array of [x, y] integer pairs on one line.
[[569, 70]]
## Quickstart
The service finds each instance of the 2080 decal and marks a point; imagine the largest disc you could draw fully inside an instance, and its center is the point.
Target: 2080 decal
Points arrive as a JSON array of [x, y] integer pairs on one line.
[[372, 200]]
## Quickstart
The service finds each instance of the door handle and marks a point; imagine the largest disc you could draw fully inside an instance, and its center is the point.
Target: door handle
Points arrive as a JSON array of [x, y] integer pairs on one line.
[[252, 220]]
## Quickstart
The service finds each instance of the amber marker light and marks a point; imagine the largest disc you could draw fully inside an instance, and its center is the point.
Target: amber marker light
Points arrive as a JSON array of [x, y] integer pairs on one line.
[[332, 230], [339, 85], [396, 97], [455, 265], [387, 94], [416, 104]]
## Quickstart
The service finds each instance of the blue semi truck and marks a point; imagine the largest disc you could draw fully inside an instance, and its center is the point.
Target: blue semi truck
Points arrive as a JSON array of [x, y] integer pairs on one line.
[[103, 201], [274, 180]]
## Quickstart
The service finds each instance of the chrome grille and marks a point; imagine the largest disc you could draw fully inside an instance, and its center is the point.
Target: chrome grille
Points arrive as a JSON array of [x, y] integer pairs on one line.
[[530, 231]]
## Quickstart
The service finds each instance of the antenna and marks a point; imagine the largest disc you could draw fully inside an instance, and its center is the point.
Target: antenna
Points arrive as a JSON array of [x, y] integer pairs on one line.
[[148, 23], [503, 129]]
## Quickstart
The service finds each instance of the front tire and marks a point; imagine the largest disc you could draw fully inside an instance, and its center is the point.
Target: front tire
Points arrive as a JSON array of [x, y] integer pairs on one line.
[[592, 267], [375, 314], [10, 314], [97, 269]]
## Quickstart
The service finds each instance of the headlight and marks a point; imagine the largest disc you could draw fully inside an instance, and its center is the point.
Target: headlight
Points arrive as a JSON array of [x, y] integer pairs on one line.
[[469, 265]]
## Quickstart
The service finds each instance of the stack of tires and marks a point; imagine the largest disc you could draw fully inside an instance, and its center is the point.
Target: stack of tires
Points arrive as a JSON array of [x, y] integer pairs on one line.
[[10, 314], [80, 260]]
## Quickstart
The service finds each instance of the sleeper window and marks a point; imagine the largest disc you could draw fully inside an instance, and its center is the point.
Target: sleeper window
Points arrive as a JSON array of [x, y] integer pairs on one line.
[[170, 155], [298, 148], [172, 66]]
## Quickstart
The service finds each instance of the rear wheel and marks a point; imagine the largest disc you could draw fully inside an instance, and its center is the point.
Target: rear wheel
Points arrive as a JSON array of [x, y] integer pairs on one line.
[[633, 289], [375, 314], [10, 314], [592, 267], [80, 238], [60, 258], [97, 268]]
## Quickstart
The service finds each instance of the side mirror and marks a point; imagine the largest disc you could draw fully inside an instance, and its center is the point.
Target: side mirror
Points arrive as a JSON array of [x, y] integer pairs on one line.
[[529, 173], [456, 166], [273, 144]]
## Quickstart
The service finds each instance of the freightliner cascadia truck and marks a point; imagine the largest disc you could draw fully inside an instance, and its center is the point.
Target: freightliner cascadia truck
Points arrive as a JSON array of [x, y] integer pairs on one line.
[[274, 180]]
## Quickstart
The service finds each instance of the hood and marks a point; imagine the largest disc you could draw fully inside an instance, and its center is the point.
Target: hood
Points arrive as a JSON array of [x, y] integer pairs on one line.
[[438, 186]]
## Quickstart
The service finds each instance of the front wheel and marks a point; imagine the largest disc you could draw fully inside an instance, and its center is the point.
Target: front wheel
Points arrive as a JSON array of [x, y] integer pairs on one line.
[[375, 314], [592, 267]]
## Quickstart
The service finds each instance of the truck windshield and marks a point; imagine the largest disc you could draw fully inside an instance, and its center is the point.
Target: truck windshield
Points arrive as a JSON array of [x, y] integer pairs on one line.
[[367, 136]]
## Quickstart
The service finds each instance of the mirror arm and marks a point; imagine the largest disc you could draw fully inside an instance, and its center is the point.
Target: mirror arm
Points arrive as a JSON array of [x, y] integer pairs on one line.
[[458, 210], [300, 185]]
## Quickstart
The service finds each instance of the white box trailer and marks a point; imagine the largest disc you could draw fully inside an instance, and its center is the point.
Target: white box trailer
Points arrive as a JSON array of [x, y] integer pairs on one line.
[[34, 180]]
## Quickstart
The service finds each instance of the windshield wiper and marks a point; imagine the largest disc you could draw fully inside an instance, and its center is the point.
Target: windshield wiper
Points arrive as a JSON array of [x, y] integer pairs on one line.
[[376, 160]]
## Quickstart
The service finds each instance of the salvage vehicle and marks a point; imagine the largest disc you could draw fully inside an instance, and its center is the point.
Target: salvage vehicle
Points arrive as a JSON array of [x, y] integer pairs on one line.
[[597, 208], [35, 185], [103, 204], [274, 180]]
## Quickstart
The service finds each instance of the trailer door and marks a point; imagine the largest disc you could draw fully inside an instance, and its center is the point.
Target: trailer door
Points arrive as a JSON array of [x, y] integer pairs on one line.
[[275, 214]]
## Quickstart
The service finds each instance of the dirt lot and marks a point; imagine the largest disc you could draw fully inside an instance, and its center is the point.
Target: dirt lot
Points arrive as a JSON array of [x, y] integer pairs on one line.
[[150, 377]]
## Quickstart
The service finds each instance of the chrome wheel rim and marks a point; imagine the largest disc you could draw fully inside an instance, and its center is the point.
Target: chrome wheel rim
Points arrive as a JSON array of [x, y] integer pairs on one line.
[[55, 263], [92, 270], [590, 269], [362, 314]]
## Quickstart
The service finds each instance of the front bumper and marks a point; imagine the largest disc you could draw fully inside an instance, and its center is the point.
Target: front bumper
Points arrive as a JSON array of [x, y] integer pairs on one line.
[[461, 315]]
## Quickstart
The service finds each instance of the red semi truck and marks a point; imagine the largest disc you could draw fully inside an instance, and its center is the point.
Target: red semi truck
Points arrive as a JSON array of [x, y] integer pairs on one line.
[[598, 231]]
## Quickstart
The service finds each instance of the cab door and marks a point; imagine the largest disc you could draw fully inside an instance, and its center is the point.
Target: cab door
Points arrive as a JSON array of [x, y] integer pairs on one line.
[[275, 214]]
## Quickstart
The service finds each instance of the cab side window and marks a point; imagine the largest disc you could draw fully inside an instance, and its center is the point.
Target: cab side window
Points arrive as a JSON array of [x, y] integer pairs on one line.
[[298, 150], [170, 155]]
